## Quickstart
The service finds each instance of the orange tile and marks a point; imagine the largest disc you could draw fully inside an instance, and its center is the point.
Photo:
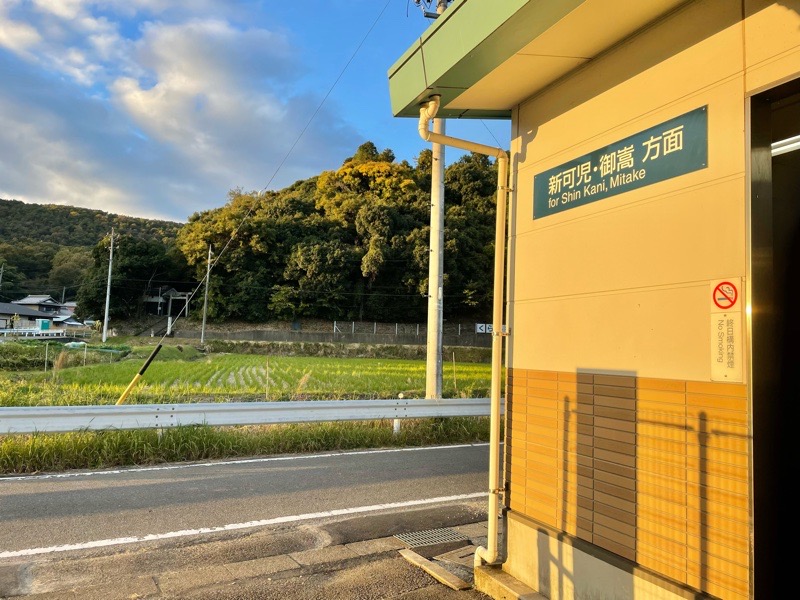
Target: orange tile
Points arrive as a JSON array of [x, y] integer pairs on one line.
[[662, 396], [731, 403], [667, 385], [737, 390]]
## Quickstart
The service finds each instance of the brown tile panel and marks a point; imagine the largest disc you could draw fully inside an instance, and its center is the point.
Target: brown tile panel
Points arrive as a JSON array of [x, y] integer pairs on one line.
[[623, 528], [627, 437], [614, 446], [614, 391], [613, 545], [614, 513], [617, 469], [610, 421], [654, 470], [623, 482], [618, 492], [626, 504], [615, 457], [615, 380], [614, 412]]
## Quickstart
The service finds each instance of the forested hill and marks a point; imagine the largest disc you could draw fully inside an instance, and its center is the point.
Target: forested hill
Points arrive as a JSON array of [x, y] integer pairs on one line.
[[350, 243], [71, 226]]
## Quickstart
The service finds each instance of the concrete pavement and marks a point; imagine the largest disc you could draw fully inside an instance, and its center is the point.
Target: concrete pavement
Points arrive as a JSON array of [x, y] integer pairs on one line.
[[353, 559]]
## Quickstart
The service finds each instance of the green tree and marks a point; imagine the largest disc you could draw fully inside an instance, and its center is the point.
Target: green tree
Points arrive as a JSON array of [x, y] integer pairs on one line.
[[69, 268], [139, 265]]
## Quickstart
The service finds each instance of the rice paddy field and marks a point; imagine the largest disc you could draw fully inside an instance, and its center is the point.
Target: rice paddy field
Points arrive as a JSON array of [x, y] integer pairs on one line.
[[181, 374]]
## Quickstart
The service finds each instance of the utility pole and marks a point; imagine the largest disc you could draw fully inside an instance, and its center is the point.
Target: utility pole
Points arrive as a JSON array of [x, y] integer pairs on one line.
[[205, 299], [2, 268], [433, 365], [108, 287]]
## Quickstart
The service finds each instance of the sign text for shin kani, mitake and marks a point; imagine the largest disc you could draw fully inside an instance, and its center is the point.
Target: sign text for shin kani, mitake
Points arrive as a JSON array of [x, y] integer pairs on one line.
[[673, 148]]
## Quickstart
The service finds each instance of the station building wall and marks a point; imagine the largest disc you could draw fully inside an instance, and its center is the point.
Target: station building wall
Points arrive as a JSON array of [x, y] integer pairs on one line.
[[620, 443]]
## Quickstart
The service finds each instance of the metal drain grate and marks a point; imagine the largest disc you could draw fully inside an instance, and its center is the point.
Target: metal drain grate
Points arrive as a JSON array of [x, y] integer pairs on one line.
[[431, 537]]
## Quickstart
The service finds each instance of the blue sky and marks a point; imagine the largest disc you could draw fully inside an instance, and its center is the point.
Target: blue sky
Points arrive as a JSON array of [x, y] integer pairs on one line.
[[158, 108]]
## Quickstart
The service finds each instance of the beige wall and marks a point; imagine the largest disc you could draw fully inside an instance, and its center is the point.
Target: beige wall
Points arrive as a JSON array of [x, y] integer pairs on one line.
[[620, 286]]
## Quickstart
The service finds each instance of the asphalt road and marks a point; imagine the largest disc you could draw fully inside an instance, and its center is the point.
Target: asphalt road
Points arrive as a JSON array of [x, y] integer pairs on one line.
[[45, 515]]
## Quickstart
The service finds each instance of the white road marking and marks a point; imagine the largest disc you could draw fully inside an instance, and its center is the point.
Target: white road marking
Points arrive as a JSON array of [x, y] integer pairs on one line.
[[235, 526], [11, 479]]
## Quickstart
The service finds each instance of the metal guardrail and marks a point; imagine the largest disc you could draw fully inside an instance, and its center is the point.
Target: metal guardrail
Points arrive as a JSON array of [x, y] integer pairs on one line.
[[53, 419], [44, 333]]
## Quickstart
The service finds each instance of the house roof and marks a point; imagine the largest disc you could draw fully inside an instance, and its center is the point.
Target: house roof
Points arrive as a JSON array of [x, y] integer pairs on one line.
[[9, 309], [37, 300], [484, 58]]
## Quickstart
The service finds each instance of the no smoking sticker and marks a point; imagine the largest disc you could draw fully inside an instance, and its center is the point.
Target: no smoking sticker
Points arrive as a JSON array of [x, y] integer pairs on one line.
[[726, 330], [725, 295]]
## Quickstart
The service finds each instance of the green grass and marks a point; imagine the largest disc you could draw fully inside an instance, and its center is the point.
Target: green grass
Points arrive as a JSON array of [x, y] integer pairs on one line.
[[105, 449], [184, 374]]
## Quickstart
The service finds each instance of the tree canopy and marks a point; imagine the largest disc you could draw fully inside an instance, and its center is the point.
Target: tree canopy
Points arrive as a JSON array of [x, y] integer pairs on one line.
[[350, 243]]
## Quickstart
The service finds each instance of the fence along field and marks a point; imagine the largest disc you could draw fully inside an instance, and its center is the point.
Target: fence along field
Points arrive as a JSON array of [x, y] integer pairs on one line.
[[183, 374]]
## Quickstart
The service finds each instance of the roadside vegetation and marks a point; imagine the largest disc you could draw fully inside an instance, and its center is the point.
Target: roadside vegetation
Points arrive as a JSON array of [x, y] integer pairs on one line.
[[99, 375]]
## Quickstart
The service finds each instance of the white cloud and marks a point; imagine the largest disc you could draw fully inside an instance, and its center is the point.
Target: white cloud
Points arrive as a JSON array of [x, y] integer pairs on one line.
[[64, 9], [16, 36], [156, 118]]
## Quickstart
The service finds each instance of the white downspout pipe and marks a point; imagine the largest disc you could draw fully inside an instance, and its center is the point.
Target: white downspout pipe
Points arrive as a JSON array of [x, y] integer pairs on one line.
[[427, 112]]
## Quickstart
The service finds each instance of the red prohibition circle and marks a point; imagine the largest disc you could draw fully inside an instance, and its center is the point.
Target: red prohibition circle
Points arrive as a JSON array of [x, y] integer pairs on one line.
[[725, 295]]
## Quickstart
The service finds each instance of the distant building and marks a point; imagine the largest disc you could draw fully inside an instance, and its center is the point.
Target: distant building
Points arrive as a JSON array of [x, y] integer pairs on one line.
[[42, 303], [14, 316]]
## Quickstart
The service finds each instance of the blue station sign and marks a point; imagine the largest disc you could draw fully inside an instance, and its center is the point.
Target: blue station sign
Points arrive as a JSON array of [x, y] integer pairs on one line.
[[673, 148]]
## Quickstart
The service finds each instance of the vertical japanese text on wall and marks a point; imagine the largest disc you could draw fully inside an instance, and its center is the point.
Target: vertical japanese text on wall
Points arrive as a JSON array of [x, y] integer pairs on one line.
[[673, 148]]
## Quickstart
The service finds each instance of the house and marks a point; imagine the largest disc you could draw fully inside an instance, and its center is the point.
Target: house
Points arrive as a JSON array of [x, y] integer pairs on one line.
[[42, 303], [14, 316], [651, 190]]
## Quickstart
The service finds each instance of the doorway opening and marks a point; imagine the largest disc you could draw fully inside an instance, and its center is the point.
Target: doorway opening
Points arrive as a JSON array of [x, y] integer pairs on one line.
[[775, 321]]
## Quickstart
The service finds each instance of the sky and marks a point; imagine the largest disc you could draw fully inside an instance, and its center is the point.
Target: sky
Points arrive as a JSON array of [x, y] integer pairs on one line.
[[159, 108]]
